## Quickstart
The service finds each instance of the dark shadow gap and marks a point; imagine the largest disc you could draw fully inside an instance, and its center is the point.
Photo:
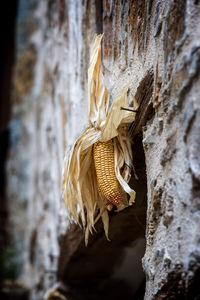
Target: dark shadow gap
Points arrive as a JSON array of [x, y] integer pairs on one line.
[[7, 54], [9, 289]]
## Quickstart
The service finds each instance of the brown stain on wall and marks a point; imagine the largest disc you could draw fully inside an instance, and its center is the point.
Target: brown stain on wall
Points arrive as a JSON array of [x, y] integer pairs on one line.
[[154, 214], [24, 74], [61, 12], [108, 12], [123, 18], [62, 104], [52, 18], [116, 30], [99, 16], [33, 241], [157, 88], [137, 20], [170, 150]]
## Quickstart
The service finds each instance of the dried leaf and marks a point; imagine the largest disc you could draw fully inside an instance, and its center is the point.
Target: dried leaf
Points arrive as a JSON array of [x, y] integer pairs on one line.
[[80, 188]]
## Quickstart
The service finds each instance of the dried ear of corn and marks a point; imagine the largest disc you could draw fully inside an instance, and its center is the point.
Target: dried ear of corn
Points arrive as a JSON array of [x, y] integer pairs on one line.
[[108, 185], [97, 170]]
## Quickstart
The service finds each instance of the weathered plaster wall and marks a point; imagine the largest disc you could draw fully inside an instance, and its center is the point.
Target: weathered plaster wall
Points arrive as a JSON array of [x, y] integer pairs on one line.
[[164, 36], [49, 111]]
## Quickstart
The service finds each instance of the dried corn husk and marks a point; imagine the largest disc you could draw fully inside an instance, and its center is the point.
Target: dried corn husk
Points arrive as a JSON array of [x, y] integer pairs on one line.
[[80, 188]]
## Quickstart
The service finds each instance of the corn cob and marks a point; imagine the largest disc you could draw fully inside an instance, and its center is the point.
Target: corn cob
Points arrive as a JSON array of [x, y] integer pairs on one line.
[[103, 153]]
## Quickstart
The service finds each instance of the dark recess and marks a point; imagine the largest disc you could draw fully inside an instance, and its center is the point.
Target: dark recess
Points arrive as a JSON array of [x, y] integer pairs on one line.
[[7, 50], [7, 54], [8, 288]]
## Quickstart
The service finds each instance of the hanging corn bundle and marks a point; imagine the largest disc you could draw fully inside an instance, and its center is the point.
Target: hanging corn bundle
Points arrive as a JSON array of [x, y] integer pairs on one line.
[[98, 167]]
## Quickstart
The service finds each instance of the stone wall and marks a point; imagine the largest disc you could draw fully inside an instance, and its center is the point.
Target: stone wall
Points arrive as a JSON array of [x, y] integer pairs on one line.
[[155, 47]]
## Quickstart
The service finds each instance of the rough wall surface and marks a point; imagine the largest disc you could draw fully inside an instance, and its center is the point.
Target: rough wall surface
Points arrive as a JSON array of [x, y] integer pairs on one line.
[[49, 88], [50, 111]]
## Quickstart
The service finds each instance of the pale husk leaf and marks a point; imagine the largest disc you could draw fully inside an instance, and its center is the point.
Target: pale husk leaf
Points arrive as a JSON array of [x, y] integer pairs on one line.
[[80, 189]]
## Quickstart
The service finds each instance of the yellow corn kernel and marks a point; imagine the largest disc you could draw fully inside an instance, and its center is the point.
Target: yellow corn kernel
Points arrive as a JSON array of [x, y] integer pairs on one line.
[[103, 153]]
